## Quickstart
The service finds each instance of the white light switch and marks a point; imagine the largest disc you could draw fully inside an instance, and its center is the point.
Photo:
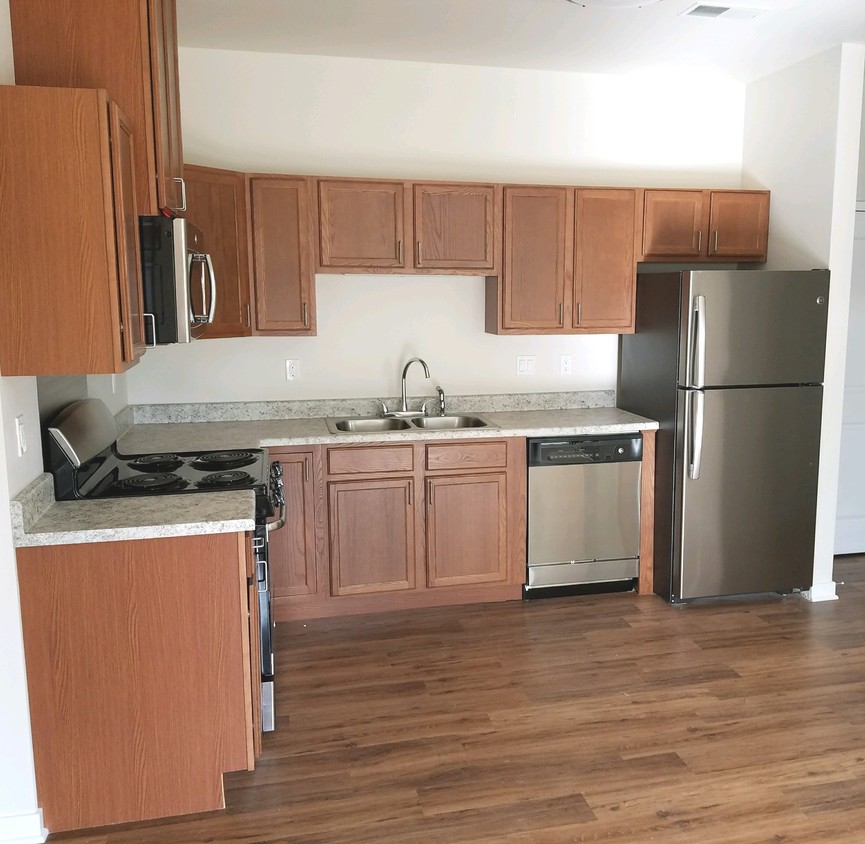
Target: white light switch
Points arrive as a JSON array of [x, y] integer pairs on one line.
[[525, 364], [20, 435]]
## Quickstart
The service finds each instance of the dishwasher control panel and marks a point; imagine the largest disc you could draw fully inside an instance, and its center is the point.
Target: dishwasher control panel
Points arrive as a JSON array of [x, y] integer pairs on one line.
[[569, 451]]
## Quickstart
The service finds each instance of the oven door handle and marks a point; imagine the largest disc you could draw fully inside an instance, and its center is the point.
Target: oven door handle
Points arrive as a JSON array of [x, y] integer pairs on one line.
[[279, 522]]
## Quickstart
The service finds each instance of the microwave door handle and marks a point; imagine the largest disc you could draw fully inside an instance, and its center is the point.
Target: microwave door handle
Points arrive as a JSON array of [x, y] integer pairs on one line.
[[211, 311], [196, 258]]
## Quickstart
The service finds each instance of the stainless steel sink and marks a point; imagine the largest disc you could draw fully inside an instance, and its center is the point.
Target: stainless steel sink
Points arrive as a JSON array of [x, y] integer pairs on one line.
[[447, 423], [365, 425]]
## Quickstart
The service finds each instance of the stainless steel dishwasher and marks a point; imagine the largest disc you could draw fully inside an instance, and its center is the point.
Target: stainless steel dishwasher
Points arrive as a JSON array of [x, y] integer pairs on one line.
[[584, 511]]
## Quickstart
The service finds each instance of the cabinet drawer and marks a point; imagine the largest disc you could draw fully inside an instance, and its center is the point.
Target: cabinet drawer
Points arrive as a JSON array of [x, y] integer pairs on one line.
[[376, 458], [478, 455]]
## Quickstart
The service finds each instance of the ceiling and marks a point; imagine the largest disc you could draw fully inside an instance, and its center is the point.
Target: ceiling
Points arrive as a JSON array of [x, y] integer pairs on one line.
[[541, 34]]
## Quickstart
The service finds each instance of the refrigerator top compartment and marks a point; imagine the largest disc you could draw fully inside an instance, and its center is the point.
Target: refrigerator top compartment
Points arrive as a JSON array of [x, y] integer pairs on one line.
[[742, 328]]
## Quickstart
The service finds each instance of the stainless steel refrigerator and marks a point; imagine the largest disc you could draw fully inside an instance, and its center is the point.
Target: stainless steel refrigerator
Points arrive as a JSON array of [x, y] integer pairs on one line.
[[730, 363]]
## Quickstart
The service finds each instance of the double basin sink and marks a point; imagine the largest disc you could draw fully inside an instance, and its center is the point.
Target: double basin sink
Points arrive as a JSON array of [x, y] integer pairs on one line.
[[379, 424]]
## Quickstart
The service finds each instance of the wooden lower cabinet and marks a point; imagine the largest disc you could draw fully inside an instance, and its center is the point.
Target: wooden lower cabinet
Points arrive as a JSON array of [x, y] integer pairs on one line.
[[292, 548], [138, 672], [467, 535], [372, 535], [401, 525]]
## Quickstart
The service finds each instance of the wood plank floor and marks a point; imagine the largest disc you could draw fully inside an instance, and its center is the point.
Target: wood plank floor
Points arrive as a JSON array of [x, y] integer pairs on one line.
[[609, 718]]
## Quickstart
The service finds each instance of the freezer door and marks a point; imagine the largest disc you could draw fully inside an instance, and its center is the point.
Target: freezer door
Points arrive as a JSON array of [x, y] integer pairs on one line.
[[743, 327], [746, 507]]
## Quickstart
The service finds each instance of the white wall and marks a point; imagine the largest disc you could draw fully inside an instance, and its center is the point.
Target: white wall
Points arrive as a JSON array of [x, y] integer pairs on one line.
[[850, 521], [20, 817], [329, 116], [802, 139]]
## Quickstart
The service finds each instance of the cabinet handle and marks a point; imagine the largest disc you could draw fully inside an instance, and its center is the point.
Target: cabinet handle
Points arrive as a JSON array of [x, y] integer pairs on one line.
[[410, 496], [182, 194], [715, 252], [429, 493], [699, 241], [579, 313], [152, 318], [306, 469], [305, 316], [562, 314], [399, 252], [248, 315], [419, 259]]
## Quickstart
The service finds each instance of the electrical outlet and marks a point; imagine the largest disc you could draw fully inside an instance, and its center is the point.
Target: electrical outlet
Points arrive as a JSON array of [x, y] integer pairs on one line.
[[525, 364], [566, 364], [292, 368], [20, 436]]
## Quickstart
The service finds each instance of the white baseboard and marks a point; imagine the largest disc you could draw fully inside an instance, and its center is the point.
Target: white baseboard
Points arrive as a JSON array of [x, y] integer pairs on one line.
[[23, 829], [821, 592]]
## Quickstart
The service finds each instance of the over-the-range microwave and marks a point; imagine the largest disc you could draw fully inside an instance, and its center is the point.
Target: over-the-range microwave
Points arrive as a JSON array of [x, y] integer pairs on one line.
[[179, 284]]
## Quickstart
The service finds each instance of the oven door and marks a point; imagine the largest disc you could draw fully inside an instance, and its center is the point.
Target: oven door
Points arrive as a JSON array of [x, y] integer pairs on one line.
[[265, 621]]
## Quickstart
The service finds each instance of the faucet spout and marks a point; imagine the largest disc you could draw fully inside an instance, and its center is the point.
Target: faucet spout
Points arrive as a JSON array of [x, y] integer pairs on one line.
[[422, 362]]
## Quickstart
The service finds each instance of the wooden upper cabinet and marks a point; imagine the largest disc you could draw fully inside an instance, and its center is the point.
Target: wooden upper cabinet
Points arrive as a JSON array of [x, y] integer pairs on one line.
[[569, 264], [675, 223], [455, 227], [739, 224], [393, 227], [604, 265], [282, 255], [538, 226], [69, 256], [706, 224], [361, 224], [128, 48], [217, 205]]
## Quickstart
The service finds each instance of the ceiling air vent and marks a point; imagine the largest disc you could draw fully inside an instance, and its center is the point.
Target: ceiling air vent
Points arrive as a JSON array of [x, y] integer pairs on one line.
[[713, 11], [703, 11]]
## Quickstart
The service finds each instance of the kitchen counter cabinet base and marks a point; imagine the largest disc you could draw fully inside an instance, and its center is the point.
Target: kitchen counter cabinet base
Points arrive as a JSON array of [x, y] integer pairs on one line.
[[137, 660], [421, 570]]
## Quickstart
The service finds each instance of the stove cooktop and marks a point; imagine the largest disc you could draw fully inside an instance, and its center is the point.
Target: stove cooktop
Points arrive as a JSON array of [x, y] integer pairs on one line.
[[113, 475]]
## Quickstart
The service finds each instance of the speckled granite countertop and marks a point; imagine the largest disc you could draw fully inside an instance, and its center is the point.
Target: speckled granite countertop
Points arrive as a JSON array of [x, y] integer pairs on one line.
[[142, 517], [38, 520], [190, 436]]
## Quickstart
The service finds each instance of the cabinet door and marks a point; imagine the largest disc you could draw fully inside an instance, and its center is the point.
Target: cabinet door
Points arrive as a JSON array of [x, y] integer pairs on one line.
[[361, 224], [217, 205], [107, 44], [454, 227], [372, 540], [292, 548], [282, 256], [126, 237], [162, 20], [675, 223], [466, 529], [739, 224], [604, 266], [537, 226]]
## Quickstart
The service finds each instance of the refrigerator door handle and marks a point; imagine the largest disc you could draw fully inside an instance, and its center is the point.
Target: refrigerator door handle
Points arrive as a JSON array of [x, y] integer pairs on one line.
[[698, 372], [696, 407]]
